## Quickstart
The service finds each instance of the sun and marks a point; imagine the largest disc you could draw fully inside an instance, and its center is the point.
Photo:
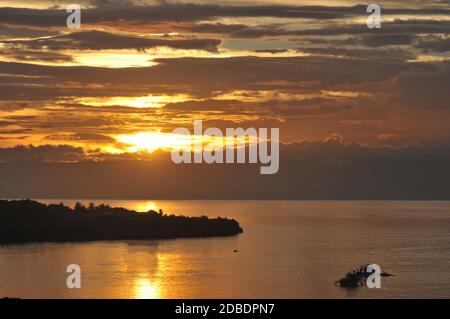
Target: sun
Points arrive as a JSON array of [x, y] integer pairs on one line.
[[149, 142]]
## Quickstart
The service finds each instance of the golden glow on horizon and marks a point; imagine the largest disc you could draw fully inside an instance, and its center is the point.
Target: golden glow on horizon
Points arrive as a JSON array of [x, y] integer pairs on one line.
[[150, 142], [430, 58], [151, 101], [114, 59], [145, 207]]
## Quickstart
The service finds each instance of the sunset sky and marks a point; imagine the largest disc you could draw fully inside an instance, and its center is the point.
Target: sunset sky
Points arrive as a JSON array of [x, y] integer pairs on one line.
[[137, 69]]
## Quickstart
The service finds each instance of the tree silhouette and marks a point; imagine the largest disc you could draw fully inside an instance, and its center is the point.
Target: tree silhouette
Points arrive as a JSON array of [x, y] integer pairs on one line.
[[30, 221]]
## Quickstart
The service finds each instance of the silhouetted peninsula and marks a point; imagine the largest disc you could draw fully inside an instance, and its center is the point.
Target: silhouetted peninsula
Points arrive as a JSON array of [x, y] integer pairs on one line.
[[30, 221]]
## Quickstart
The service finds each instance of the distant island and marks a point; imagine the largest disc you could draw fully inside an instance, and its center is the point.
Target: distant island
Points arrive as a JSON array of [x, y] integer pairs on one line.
[[24, 221]]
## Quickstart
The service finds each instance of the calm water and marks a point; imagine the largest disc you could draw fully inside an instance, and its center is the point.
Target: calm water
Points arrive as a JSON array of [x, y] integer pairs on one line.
[[289, 249]]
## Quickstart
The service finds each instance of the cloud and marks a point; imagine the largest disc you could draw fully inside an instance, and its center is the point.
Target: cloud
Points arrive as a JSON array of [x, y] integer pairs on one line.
[[16, 131], [205, 105], [237, 30], [196, 12], [82, 137], [101, 121], [398, 29], [334, 147], [36, 56], [214, 77], [418, 88], [378, 40], [44, 153], [175, 75], [398, 26], [100, 40], [14, 32], [433, 43], [170, 12], [317, 107], [364, 54], [112, 3], [271, 51]]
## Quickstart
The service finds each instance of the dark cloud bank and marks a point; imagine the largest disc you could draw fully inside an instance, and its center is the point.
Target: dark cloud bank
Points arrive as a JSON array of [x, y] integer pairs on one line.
[[196, 12], [329, 169], [99, 40]]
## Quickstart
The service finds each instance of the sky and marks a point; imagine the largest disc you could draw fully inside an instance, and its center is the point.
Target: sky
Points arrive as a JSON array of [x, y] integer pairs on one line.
[[116, 88]]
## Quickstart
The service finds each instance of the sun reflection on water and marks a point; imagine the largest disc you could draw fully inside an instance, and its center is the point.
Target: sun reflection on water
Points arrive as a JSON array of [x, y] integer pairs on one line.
[[146, 289]]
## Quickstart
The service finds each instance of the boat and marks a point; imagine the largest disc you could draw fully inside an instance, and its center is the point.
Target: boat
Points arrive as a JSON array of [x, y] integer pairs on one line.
[[358, 277]]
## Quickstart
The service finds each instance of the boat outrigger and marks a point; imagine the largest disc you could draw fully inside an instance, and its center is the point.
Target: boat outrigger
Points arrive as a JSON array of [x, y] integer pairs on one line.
[[358, 277]]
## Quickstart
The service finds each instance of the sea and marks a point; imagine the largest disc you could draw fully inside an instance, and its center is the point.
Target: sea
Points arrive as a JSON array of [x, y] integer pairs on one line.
[[289, 249]]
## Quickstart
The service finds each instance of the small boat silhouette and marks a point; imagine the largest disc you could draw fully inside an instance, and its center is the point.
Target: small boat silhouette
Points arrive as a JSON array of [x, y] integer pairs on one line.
[[358, 277], [386, 274]]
